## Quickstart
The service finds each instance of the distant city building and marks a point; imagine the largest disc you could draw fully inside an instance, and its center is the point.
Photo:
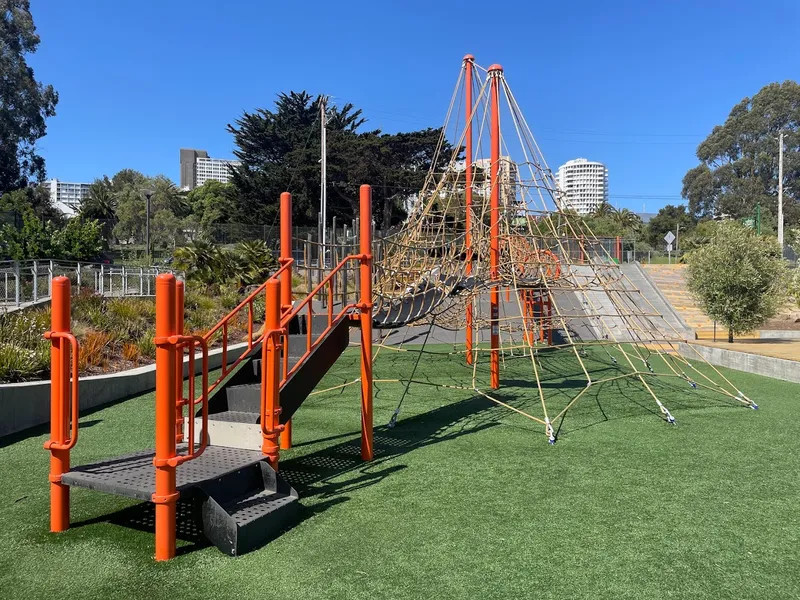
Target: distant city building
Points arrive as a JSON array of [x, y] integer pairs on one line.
[[197, 168], [583, 185], [507, 174], [66, 196]]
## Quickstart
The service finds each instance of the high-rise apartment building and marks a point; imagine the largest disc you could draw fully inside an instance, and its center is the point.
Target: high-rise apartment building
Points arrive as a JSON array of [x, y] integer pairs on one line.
[[197, 168], [507, 174], [583, 185], [66, 196]]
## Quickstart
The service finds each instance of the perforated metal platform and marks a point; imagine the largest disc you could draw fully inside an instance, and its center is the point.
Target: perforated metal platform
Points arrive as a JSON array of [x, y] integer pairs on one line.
[[134, 475]]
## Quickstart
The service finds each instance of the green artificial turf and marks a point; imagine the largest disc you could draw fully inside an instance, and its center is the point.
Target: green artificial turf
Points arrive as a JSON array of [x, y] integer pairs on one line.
[[464, 500]]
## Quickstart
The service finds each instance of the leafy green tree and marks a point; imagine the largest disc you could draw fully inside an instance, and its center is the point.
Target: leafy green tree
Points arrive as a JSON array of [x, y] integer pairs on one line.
[[280, 149], [80, 239], [25, 104], [738, 278], [212, 203], [739, 159], [101, 204], [668, 219]]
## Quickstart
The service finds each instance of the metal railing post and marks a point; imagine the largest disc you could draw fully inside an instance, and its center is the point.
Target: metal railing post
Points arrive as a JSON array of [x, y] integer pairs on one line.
[[17, 282], [166, 494], [102, 279], [365, 307], [286, 284], [270, 373], [35, 281], [50, 278]]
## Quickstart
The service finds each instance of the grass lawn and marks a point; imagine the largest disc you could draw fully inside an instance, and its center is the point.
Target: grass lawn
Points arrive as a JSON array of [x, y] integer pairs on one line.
[[464, 500]]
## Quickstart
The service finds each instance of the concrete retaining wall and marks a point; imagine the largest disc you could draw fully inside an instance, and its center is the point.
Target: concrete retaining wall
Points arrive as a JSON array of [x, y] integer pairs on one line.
[[777, 368], [25, 405], [779, 334]]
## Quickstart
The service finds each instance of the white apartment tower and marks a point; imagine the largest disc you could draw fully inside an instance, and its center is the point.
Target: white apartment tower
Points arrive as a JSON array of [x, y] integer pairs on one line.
[[197, 167], [67, 196], [583, 185]]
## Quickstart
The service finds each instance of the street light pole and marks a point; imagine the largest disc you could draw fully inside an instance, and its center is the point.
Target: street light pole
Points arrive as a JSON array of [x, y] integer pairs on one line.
[[147, 194], [780, 191]]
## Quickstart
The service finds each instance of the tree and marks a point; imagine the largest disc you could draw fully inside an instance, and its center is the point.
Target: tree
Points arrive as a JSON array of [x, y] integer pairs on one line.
[[279, 151], [738, 278], [739, 159], [212, 203], [25, 103], [101, 204], [668, 219]]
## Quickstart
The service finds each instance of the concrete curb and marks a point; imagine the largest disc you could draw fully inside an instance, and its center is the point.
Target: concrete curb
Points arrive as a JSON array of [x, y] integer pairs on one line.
[[777, 368], [663, 298], [25, 405]]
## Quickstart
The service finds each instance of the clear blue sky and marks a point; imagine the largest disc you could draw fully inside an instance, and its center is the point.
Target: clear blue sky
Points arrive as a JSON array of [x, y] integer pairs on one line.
[[633, 84]]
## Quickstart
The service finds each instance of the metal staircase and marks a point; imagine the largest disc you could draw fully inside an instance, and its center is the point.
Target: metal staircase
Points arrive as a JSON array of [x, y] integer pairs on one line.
[[221, 446]]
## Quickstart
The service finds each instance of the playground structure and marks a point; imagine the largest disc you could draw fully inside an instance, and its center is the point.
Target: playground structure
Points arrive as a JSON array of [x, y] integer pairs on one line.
[[220, 446]]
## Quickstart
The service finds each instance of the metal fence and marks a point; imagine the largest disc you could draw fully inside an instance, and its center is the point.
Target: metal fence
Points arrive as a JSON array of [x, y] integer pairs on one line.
[[28, 282]]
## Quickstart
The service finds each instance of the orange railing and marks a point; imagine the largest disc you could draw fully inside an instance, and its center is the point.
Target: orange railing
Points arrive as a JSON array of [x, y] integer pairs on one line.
[[232, 318]]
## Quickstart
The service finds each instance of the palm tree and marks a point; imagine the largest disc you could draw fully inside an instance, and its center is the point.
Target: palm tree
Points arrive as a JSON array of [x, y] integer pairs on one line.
[[101, 204], [604, 209], [628, 219]]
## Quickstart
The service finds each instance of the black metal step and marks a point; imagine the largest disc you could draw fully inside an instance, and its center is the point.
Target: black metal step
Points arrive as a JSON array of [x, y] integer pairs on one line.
[[134, 476], [237, 416], [244, 511]]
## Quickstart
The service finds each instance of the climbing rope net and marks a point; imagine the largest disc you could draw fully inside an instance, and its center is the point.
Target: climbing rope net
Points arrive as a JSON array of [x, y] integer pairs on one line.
[[562, 290]]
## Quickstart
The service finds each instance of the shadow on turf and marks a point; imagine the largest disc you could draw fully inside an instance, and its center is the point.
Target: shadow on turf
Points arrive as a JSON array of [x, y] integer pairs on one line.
[[330, 474]]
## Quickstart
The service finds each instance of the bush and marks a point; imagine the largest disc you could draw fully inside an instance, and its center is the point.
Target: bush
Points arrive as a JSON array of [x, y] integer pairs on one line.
[[18, 363], [147, 346], [738, 278]]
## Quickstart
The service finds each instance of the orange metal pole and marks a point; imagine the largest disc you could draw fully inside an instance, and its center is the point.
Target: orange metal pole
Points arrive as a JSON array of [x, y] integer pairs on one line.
[[495, 72], [286, 283], [59, 407], [271, 365], [165, 496], [469, 65], [365, 306], [179, 300]]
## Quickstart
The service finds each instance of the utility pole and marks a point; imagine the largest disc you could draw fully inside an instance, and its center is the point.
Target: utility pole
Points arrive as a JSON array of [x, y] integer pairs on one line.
[[677, 237], [780, 191], [324, 174]]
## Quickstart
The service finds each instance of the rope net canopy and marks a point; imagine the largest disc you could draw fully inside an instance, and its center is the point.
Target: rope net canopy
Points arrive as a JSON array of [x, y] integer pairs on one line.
[[565, 291]]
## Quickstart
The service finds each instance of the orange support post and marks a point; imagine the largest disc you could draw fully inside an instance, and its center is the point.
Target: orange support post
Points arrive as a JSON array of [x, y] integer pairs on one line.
[[181, 401], [166, 495], [495, 73], [59, 445], [549, 303], [365, 306], [271, 374], [286, 284], [469, 65]]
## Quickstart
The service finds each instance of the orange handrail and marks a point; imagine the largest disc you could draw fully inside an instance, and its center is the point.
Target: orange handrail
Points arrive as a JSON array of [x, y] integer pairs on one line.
[[223, 325], [328, 281], [190, 341], [69, 444]]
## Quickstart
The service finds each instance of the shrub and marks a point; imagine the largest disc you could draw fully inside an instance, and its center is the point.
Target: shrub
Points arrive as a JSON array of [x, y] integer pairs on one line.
[[131, 352], [18, 363], [146, 345], [93, 349]]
